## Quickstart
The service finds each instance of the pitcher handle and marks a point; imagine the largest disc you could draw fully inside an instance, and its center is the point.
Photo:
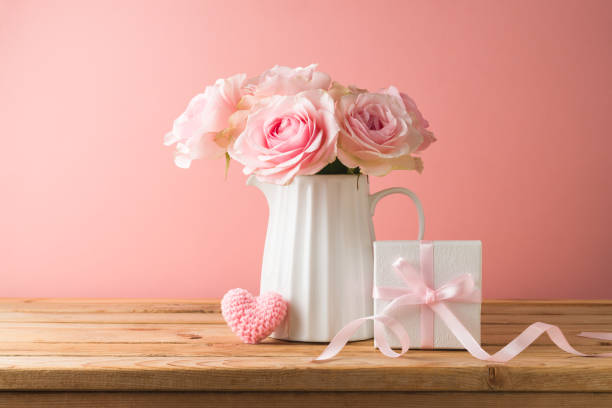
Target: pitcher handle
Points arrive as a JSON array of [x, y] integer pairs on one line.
[[375, 198]]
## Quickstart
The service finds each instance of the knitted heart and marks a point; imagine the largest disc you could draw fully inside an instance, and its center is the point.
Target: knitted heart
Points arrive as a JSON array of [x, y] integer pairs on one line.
[[253, 318]]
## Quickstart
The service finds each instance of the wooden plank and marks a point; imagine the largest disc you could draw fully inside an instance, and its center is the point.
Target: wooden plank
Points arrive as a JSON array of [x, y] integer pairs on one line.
[[303, 399], [74, 305], [175, 345], [207, 349], [513, 307], [499, 340], [492, 334], [575, 319], [419, 371], [110, 305], [119, 318], [112, 333], [205, 318], [546, 307], [216, 318], [269, 348]]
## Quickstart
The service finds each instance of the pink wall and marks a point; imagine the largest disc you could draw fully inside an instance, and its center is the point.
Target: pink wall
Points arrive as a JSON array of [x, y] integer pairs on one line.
[[518, 92]]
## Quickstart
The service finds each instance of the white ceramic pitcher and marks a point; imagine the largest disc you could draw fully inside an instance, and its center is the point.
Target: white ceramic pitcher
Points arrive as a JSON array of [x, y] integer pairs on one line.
[[318, 252]]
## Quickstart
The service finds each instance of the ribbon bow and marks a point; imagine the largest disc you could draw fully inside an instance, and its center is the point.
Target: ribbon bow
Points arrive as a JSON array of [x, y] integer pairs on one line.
[[419, 292]]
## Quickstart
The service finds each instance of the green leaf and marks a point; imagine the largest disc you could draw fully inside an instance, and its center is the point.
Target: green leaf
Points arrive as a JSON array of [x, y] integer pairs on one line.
[[336, 167]]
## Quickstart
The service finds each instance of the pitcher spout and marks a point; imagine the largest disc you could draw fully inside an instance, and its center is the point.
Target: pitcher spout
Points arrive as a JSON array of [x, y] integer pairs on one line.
[[265, 188]]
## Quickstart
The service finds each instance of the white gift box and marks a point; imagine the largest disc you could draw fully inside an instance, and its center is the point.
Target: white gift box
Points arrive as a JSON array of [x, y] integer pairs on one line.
[[451, 259]]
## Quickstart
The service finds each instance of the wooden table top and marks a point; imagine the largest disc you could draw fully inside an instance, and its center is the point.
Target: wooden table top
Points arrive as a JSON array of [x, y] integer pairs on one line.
[[135, 345]]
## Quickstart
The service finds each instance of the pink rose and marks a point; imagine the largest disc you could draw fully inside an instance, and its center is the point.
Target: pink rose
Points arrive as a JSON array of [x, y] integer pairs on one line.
[[278, 80], [377, 133], [198, 131], [286, 136], [281, 80], [418, 121]]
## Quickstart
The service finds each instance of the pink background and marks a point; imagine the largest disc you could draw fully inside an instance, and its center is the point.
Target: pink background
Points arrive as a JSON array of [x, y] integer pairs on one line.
[[519, 94]]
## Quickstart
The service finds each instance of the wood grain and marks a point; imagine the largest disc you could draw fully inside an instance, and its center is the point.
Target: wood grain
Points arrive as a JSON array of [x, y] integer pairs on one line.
[[303, 399], [151, 349], [494, 334], [110, 305]]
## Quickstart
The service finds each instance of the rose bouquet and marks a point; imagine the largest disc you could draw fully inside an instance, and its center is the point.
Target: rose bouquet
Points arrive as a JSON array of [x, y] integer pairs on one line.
[[294, 121]]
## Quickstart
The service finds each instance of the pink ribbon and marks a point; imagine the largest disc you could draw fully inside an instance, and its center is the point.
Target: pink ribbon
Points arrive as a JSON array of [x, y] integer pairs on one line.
[[427, 273], [433, 301]]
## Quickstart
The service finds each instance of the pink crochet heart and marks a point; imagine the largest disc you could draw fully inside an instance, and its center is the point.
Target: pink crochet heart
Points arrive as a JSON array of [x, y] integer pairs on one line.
[[253, 318]]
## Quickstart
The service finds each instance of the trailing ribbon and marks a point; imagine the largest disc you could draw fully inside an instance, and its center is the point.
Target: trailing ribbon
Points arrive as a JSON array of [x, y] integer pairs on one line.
[[434, 301]]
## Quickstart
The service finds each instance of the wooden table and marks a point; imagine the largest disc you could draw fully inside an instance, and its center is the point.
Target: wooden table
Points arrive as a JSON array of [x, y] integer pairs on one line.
[[146, 353]]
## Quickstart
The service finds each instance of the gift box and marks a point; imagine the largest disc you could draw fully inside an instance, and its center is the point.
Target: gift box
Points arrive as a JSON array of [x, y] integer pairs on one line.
[[452, 262]]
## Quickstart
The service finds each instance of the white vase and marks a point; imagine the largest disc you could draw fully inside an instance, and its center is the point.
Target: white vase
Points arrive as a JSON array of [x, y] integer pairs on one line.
[[318, 252]]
